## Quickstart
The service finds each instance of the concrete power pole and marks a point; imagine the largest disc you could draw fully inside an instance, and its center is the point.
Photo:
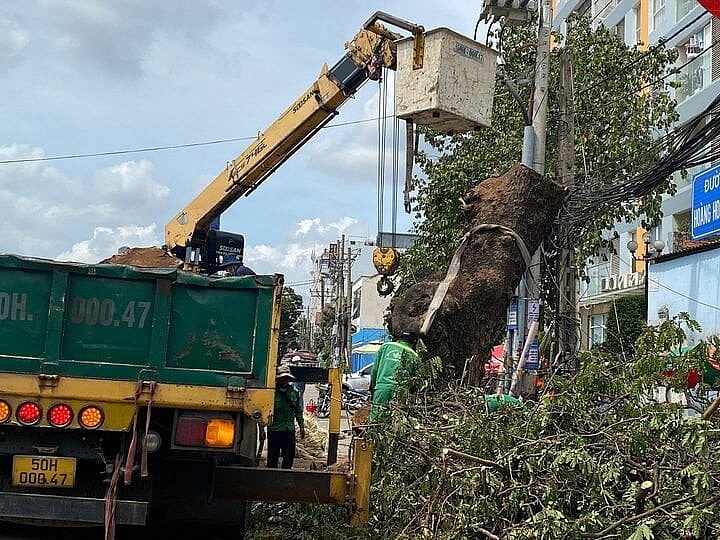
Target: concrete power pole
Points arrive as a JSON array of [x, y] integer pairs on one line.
[[567, 320], [348, 308], [540, 95], [533, 156]]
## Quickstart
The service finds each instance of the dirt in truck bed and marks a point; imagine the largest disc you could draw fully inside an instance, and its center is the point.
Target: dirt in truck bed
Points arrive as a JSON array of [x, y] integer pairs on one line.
[[145, 257]]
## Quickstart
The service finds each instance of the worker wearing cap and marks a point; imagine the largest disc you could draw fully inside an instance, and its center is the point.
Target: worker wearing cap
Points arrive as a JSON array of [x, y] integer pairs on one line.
[[382, 376], [288, 410], [233, 265]]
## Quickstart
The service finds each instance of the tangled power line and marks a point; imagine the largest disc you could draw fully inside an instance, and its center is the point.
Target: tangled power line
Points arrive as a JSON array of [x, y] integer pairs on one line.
[[690, 145]]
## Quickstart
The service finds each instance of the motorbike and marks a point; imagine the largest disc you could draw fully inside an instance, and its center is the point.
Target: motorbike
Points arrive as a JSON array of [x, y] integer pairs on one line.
[[352, 400], [355, 399], [322, 407]]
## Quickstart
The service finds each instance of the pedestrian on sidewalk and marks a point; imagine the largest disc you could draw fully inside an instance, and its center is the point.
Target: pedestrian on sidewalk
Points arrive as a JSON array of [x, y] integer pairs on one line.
[[281, 433]]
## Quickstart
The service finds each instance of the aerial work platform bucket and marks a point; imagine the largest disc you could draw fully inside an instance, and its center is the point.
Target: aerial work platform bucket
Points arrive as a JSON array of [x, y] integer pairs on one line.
[[453, 91]]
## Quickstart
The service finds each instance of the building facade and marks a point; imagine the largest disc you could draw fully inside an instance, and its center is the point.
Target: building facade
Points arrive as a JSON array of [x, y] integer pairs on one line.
[[685, 25]]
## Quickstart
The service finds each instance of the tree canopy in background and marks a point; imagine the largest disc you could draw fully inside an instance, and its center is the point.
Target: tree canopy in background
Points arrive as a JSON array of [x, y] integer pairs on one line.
[[290, 313], [625, 323]]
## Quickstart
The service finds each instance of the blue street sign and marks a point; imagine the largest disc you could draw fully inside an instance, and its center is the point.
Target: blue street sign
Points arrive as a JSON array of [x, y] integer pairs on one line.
[[532, 361], [705, 220], [512, 314]]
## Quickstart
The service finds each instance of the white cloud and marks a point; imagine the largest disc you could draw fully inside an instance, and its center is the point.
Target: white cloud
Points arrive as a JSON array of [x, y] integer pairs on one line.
[[45, 210], [314, 226], [105, 242], [130, 181], [306, 225], [13, 41]]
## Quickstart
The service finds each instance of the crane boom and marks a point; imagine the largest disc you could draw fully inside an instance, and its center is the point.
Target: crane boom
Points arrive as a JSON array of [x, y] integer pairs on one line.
[[372, 48]]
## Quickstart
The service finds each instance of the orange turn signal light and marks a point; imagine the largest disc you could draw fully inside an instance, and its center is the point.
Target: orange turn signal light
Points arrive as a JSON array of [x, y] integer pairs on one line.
[[91, 417], [220, 433], [4, 411]]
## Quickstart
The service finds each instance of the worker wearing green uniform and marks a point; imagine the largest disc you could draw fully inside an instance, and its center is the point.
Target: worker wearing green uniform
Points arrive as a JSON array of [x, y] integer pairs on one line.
[[288, 410], [497, 401], [382, 377]]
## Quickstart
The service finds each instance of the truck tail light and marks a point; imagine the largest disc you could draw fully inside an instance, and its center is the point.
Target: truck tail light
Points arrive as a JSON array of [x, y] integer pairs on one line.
[[190, 431], [28, 413], [60, 415], [4, 411], [91, 417], [220, 433], [199, 431]]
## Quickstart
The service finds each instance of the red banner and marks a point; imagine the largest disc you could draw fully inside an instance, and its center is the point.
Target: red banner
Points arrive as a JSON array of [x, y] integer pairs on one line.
[[713, 6]]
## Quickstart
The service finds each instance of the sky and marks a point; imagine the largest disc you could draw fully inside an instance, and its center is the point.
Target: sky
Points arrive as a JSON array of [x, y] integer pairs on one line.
[[121, 77]]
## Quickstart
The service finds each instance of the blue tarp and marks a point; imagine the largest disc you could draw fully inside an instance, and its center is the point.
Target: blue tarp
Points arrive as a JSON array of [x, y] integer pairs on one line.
[[359, 361], [362, 337], [366, 335]]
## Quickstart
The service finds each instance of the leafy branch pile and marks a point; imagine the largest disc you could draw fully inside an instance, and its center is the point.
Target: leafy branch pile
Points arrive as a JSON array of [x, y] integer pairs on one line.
[[597, 457]]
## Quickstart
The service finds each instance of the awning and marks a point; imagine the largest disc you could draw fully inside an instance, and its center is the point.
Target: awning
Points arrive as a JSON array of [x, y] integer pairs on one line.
[[368, 348]]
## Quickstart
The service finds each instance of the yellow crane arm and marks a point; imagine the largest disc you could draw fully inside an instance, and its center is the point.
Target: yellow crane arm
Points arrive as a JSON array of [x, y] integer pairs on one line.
[[371, 49]]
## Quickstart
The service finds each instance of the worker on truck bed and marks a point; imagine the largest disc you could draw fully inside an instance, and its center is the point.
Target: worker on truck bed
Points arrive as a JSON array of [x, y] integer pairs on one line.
[[382, 377], [233, 265], [288, 410]]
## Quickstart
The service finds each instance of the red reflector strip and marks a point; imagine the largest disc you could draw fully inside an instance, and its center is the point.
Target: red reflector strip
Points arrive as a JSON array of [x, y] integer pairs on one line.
[[190, 431]]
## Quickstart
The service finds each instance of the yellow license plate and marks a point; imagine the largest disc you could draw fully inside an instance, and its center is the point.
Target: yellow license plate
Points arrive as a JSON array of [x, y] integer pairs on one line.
[[43, 471]]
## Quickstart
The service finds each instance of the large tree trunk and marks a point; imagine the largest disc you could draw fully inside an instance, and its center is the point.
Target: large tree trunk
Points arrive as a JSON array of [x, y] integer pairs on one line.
[[472, 314]]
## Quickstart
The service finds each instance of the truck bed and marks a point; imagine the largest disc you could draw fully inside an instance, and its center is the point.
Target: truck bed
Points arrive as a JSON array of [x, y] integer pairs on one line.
[[125, 323]]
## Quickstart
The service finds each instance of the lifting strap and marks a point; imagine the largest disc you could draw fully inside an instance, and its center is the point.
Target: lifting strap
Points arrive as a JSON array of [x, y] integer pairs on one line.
[[454, 268]]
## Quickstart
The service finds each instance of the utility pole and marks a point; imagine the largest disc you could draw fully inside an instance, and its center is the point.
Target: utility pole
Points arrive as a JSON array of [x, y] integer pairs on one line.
[[567, 319], [533, 156], [340, 316], [348, 308], [540, 94]]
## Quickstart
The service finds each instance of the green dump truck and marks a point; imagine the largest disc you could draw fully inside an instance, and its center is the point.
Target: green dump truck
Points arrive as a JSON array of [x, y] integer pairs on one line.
[[123, 390]]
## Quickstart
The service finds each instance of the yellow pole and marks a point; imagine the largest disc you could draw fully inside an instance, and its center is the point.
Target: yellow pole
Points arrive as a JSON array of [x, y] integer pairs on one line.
[[362, 469], [335, 405]]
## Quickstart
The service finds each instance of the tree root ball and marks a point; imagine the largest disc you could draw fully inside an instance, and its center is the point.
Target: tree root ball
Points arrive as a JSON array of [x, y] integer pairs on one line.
[[472, 317]]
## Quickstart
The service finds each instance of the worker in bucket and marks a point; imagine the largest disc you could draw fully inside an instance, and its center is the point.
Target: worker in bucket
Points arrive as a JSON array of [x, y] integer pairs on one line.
[[382, 377], [233, 265], [288, 410]]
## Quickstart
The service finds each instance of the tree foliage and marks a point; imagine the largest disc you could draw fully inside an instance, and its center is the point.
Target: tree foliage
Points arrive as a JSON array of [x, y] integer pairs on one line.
[[601, 455], [323, 340], [617, 117], [290, 313], [625, 323]]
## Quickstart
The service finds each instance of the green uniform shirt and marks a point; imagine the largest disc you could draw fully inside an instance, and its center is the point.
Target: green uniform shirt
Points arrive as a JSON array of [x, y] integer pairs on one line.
[[288, 408], [496, 401], [382, 377]]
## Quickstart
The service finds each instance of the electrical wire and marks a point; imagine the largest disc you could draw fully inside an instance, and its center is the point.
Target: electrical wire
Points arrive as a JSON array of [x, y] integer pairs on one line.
[[166, 147], [687, 146]]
